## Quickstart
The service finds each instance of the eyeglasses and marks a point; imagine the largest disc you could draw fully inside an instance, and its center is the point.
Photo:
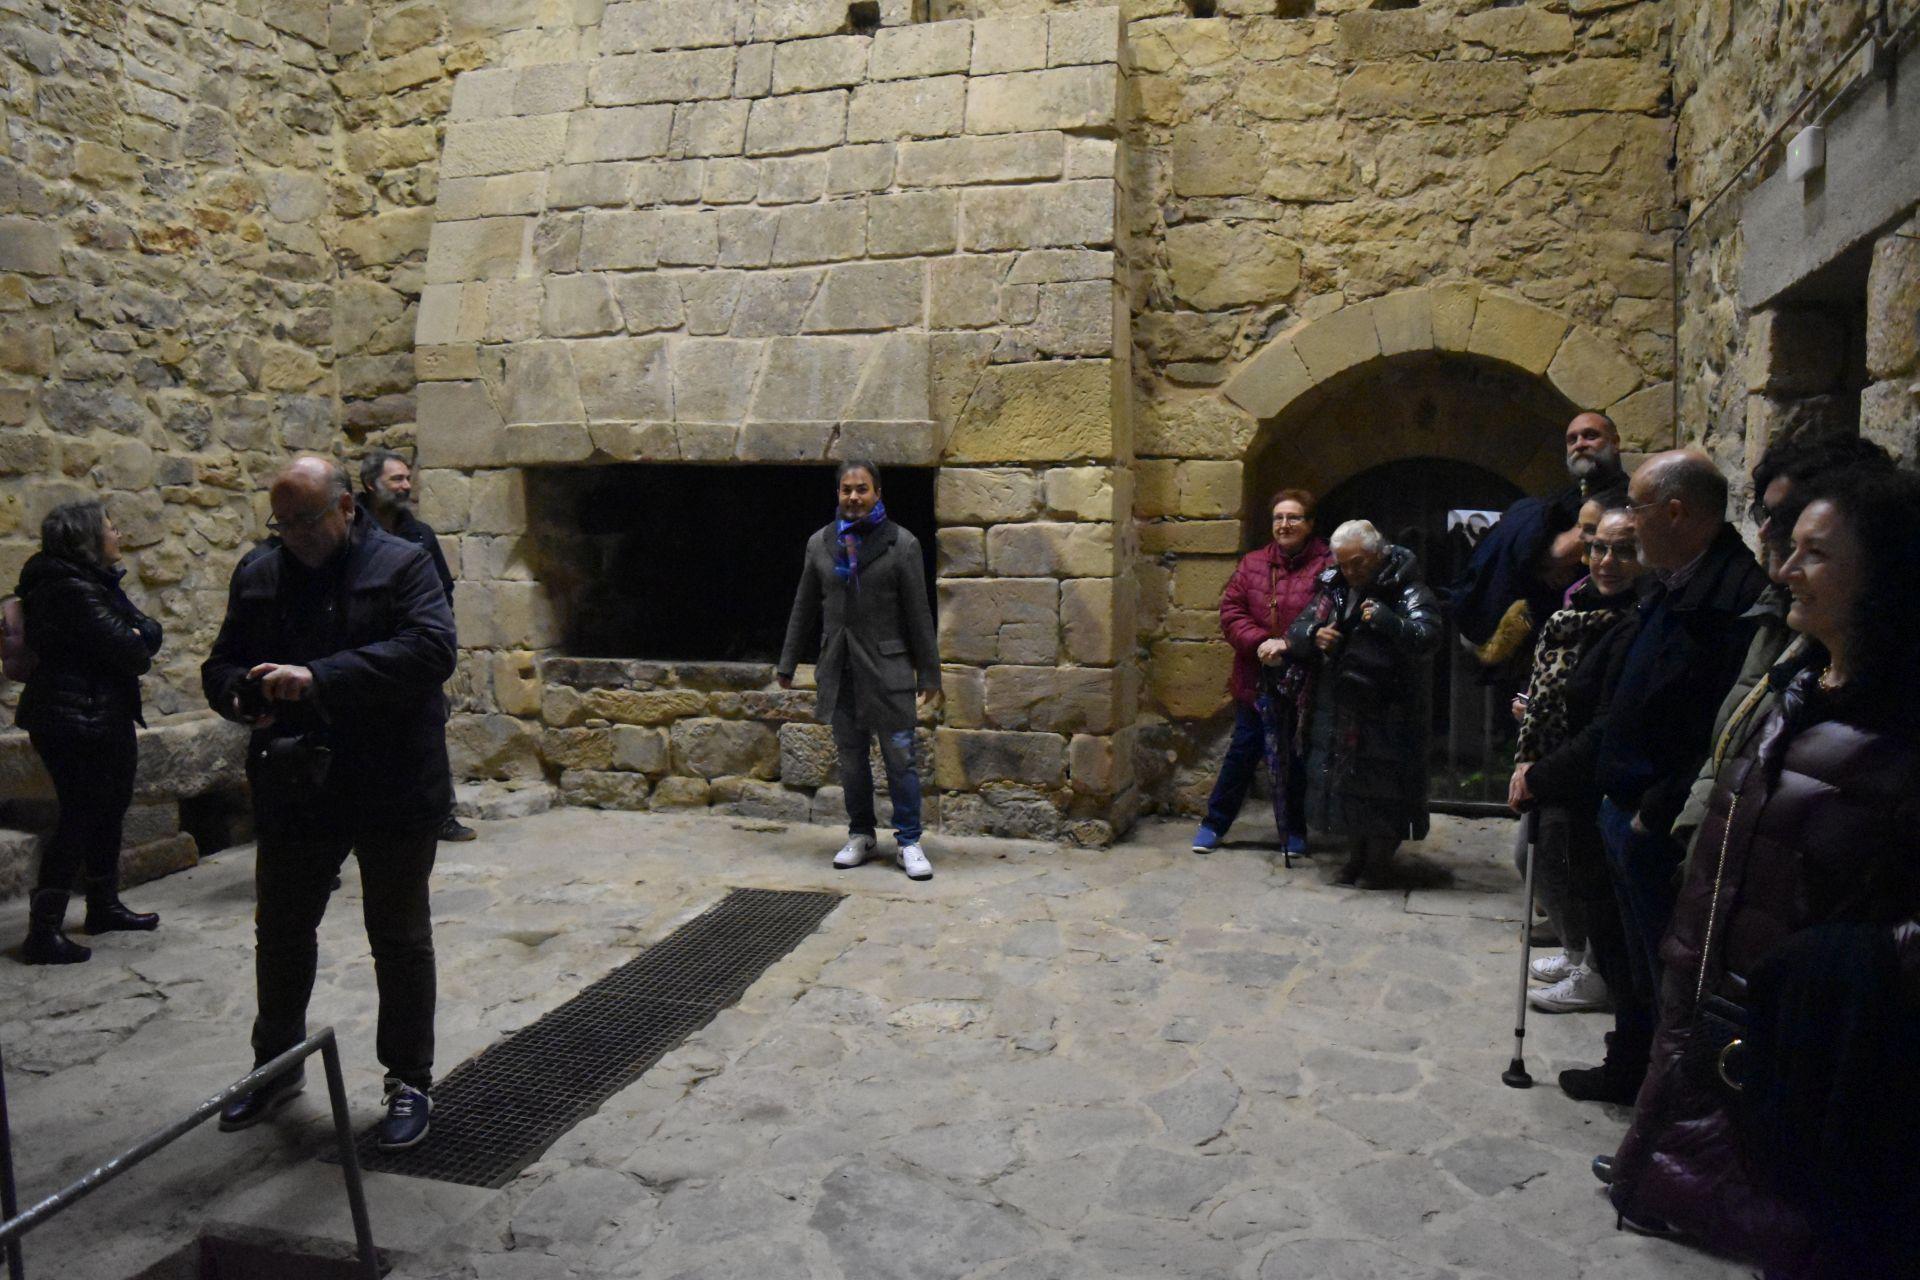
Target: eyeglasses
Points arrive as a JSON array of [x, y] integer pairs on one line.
[[1622, 551], [1291, 519], [302, 522]]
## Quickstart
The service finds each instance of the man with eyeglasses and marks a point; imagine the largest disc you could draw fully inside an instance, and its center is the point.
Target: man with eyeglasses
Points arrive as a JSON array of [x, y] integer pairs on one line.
[[335, 645]]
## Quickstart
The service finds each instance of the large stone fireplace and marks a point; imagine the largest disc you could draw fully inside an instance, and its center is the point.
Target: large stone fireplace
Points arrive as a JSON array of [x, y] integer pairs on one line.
[[754, 236]]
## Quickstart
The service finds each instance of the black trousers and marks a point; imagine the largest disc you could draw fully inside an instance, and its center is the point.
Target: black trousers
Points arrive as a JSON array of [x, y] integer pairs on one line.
[[293, 877], [93, 780]]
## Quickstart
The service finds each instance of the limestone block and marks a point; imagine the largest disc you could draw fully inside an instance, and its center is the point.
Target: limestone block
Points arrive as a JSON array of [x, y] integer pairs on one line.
[[1191, 537], [1055, 699], [155, 858], [619, 240], [643, 706], [1404, 322], [662, 77], [983, 496], [575, 186], [792, 180], [1516, 331], [668, 24], [894, 387], [458, 422], [483, 249], [1083, 493], [784, 441], [1590, 371], [709, 297], [832, 62], [1051, 549], [964, 292], [807, 755], [966, 697], [1454, 304], [1199, 582], [1213, 159], [1095, 619], [499, 502], [1645, 418], [680, 793], [489, 746], [730, 180], [521, 91], [579, 305], [1084, 97], [964, 759], [516, 683], [1188, 681], [708, 129], [831, 232], [1518, 30], [867, 296], [1341, 340], [1083, 36], [930, 108], [1271, 381], [1370, 37], [951, 162], [503, 194], [577, 748], [1890, 417], [540, 383], [709, 748], [866, 167], [1053, 216], [713, 378], [649, 302], [913, 222], [1209, 489], [623, 379], [807, 379], [444, 498], [795, 19], [686, 237], [618, 133], [926, 49], [1433, 90], [773, 303], [29, 246], [962, 553], [1009, 43], [1893, 305], [982, 620], [798, 122], [1601, 84], [1217, 265], [1047, 411], [636, 441], [517, 145], [603, 789], [1101, 765], [1288, 92], [1156, 490], [1793, 353], [639, 749]]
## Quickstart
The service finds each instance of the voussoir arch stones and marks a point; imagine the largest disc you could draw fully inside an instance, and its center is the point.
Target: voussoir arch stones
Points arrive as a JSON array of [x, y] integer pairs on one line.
[[1584, 366]]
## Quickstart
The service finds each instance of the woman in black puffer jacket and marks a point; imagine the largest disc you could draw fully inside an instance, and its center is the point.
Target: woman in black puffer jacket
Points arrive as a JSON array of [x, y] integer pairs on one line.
[[79, 709]]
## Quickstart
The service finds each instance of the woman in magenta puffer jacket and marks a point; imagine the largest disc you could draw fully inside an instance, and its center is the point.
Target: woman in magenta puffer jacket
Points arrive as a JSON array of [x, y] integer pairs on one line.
[[1262, 599], [1780, 1118]]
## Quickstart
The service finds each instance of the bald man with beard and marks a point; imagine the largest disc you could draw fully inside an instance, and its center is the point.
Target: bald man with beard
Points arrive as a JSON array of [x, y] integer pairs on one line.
[[335, 645]]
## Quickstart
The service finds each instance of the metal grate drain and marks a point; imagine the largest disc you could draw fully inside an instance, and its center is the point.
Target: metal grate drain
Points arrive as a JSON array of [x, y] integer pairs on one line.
[[495, 1113]]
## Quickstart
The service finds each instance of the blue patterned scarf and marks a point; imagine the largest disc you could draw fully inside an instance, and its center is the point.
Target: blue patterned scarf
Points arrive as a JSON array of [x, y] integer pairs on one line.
[[851, 533]]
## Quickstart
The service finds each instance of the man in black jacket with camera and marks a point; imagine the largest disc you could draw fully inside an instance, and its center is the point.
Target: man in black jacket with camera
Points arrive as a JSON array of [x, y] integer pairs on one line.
[[334, 648]]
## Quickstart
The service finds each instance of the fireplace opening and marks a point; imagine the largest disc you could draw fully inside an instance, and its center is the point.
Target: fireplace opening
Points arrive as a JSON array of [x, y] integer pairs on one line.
[[677, 562]]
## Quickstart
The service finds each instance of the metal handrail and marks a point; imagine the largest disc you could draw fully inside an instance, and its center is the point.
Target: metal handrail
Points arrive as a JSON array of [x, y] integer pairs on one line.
[[17, 1224]]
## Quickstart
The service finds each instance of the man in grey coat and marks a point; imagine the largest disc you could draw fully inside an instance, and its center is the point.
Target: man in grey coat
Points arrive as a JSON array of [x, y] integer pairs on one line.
[[863, 591]]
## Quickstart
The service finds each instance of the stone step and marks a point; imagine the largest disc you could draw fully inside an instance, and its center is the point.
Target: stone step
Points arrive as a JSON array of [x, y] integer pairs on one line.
[[493, 801], [19, 859]]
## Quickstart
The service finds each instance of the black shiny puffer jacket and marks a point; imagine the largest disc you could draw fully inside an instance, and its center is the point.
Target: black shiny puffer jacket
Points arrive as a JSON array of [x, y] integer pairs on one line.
[[92, 647]]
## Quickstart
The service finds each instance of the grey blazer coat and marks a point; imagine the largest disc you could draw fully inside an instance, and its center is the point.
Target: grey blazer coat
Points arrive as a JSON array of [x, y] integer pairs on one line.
[[882, 634]]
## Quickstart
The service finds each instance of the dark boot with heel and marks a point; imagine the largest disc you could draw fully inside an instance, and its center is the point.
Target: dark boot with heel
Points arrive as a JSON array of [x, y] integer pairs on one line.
[[47, 942], [107, 914]]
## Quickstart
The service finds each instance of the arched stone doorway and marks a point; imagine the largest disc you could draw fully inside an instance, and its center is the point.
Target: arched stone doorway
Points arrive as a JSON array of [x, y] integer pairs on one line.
[[1405, 408]]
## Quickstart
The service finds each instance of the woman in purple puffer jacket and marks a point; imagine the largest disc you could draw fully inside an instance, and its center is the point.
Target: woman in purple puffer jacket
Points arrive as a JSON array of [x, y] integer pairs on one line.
[[1780, 1118], [1262, 599]]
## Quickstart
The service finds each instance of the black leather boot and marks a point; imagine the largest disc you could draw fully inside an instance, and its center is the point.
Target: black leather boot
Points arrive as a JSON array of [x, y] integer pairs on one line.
[[106, 913], [46, 942]]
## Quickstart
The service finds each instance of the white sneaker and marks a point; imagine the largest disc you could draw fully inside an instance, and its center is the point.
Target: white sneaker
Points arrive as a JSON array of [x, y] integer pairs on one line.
[[914, 862], [1550, 968], [1581, 990], [856, 851]]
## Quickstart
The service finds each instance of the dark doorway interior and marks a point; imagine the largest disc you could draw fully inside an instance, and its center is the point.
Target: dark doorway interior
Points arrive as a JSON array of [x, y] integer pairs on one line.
[[691, 563], [1409, 501]]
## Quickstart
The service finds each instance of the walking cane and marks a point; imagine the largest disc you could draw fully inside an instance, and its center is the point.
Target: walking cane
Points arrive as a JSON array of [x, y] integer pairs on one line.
[[1515, 1076]]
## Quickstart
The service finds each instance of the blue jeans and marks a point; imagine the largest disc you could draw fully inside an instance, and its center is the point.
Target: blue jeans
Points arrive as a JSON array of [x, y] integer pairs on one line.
[[1642, 867], [856, 777], [1246, 752]]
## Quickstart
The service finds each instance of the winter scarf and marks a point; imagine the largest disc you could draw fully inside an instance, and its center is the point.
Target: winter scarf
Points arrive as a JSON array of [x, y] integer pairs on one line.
[[851, 533]]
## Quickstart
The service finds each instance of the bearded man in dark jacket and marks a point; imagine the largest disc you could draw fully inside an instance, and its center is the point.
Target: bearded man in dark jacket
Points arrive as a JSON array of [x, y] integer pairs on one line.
[[334, 648]]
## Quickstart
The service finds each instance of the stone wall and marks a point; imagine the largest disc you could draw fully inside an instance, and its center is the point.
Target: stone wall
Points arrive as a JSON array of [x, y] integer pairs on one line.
[[756, 236], [1751, 375]]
